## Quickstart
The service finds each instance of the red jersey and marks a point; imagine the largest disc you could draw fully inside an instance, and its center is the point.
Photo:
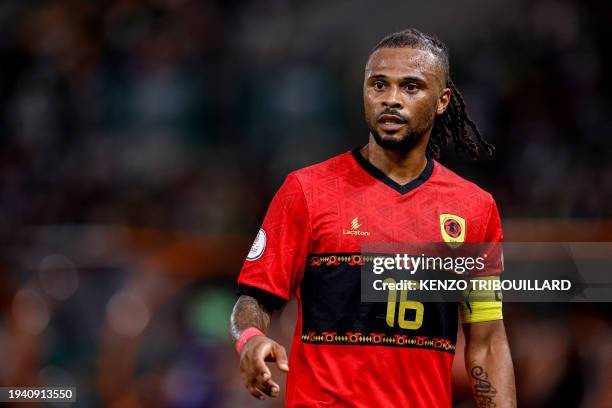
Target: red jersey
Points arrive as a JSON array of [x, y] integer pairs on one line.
[[344, 352]]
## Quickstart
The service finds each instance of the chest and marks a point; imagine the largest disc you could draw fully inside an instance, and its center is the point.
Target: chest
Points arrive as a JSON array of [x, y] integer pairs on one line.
[[345, 223]]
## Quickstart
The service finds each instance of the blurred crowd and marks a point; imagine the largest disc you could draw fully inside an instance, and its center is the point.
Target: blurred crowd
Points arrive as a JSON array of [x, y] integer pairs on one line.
[[141, 141]]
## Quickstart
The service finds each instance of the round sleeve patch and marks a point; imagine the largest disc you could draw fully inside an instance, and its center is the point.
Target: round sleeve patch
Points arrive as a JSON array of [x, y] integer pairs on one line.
[[258, 247]]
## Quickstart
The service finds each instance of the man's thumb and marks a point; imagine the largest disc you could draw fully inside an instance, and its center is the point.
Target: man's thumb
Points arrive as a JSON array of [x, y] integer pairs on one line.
[[281, 357]]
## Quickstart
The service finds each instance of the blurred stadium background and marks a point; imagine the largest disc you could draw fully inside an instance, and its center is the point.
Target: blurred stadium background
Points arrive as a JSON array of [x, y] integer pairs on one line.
[[141, 141]]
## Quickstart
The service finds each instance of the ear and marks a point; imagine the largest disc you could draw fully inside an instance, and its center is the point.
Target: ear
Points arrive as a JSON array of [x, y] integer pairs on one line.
[[443, 101]]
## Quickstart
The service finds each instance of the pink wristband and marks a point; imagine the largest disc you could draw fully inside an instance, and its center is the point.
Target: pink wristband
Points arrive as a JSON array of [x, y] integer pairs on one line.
[[245, 336]]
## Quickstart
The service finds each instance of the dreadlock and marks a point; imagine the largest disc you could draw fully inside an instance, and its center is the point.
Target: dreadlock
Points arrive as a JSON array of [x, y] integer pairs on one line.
[[453, 124]]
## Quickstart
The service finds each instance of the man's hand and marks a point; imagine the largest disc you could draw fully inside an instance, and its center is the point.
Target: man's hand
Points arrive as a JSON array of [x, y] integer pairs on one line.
[[255, 372], [248, 312]]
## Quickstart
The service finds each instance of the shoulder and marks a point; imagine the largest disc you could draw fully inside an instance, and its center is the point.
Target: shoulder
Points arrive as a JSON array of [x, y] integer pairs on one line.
[[324, 171], [472, 199], [471, 202], [465, 187]]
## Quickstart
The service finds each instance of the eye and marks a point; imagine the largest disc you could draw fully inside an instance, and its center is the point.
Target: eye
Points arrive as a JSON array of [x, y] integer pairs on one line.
[[411, 87], [378, 85]]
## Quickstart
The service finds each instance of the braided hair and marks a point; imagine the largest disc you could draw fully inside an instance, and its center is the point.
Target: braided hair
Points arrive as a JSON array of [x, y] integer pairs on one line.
[[454, 123]]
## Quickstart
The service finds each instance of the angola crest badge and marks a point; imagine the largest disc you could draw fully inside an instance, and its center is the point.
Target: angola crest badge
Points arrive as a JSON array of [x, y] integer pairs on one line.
[[452, 228]]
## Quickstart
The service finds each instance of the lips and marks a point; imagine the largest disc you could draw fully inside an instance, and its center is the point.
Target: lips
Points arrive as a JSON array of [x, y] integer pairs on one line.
[[391, 119], [390, 123]]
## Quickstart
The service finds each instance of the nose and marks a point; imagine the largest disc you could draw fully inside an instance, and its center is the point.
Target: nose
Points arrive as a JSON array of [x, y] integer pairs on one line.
[[392, 98]]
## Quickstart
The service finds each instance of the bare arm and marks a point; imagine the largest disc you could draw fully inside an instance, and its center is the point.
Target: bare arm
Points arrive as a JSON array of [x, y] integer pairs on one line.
[[248, 312], [489, 364]]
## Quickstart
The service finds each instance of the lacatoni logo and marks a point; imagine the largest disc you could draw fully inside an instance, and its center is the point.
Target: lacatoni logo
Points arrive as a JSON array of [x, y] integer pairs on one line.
[[355, 225], [258, 247]]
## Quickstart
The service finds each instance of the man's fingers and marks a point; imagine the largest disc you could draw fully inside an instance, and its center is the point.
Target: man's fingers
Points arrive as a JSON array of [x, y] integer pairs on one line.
[[256, 373], [256, 392], [281, 357], [271, 389], [264, 383], [271, 383], [263, 372]]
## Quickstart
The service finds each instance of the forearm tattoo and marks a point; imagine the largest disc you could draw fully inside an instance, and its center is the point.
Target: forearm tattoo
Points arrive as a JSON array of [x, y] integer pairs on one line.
[[248, 312], [484, 392]]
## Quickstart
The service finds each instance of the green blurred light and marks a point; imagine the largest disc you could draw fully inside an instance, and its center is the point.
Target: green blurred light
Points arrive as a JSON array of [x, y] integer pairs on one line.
[[210, 311]]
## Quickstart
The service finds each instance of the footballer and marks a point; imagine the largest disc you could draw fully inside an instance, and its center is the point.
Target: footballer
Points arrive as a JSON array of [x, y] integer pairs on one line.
[[348, 353]]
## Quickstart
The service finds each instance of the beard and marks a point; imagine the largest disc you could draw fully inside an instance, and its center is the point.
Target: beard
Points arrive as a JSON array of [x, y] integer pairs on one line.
[[405, 144], [411, 139]]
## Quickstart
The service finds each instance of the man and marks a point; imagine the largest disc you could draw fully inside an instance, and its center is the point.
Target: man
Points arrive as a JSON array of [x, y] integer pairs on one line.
[[390, 190]]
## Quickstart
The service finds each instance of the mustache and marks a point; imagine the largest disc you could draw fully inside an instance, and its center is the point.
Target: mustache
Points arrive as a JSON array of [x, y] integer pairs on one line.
[[393, 112]]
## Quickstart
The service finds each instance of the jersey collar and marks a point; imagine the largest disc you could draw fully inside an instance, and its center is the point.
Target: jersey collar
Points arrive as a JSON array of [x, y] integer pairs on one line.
[[378, 174]]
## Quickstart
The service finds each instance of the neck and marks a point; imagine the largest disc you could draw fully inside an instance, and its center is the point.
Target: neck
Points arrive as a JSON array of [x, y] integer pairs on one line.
[[400, 166]]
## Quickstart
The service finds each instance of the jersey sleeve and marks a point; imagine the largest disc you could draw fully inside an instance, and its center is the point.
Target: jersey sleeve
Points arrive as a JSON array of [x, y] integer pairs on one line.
[[277, 257], [483, 303]]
